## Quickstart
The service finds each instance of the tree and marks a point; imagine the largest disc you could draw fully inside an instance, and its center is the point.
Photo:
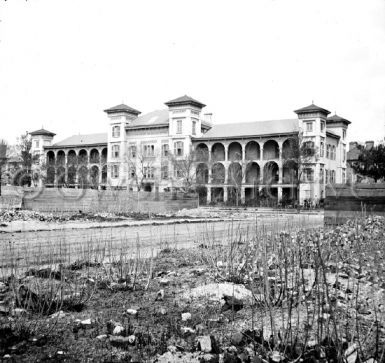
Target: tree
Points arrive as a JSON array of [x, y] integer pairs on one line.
[[371, 162], [24, 146], [298, 155], [3, 158], [141, 166]]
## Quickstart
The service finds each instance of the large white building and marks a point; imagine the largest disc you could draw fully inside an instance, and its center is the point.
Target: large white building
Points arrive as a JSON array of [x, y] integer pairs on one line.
[[238, 162]]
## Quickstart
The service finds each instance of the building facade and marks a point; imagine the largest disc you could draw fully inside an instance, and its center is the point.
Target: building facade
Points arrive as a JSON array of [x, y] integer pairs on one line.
[[180, 146]]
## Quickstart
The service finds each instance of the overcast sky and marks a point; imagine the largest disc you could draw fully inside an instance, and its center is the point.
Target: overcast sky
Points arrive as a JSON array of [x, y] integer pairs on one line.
[[63, 62]]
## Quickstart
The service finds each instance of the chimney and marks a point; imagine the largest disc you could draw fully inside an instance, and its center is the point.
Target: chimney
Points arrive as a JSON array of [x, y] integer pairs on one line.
[[369, 145], [353, 145], [208, 117]]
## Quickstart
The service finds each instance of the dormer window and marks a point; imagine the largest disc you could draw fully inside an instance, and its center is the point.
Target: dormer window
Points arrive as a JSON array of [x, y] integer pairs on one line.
[[116, 131]]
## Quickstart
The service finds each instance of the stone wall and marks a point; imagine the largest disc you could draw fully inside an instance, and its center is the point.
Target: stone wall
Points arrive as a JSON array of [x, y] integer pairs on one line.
[[345, 202], [95, 201]]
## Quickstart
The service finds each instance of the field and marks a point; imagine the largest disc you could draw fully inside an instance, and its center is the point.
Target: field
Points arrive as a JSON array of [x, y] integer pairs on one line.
[[205, 287]]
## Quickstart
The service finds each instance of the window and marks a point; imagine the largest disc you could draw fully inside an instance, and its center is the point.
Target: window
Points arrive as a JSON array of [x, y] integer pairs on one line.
[[179, 126], [164, 172], [333, 153], [309, 174], [343, 177], [328, 151], [148, 172], [178, 170], [321, 175], [332, 176], [36, 143], [115, 151], [178, 148], [116, 131], [322, 126], [194, 127], [327, 176], [343, 134], [132, 172], [132, 151], [322, 147], [115, 171], [309, 126], [344, 153], [149, 150], [165, 150]]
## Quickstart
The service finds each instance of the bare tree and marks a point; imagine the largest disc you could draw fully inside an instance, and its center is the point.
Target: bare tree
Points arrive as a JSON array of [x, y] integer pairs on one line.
[[298, 156], [141, 166], [3, 158], [24, 146]]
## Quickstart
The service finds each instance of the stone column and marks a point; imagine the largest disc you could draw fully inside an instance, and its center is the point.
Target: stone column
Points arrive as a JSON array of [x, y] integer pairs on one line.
[[243, 151], [208, 194], [279, 194], [210, 174], [225, 193], [226, 153]]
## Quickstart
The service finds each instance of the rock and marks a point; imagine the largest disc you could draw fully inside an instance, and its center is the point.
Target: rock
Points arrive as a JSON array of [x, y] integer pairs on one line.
[[164, 282], [204, 344], [160, 295], [118, 330], [186, 316], [237, 339], [131, 339], [276, 356], [86, 323], [200, 328], [132, 312], [3, 287], [119, 341], [19, 312], [232, 303], [186, 330], [58, 315], [102, 337]]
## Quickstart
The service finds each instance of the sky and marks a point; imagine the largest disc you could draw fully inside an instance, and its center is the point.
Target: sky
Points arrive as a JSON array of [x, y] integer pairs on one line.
[[62, 62]]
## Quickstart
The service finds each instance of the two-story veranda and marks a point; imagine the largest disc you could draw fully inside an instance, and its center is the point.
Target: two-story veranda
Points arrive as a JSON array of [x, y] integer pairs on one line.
[[245, 160]]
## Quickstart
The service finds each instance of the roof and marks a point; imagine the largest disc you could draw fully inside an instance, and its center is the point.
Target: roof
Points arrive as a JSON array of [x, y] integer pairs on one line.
[[42, 132], [154, 118], [332, 134], [81, 140], [312, 108], [336, 119], [122, 108], [256, 128], [185, 100], [352, 155]]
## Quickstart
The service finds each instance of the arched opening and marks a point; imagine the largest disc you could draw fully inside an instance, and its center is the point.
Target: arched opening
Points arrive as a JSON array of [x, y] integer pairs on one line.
[[83, 177], [290, 149], [235, 151], [71, 176], [104, 174], [290, 172], [202, 173], [83, 156], [270, 150], [202, 152], [94, 177], [104, 156], [61, 176], [71, 157], [94, 156], [252, 173], [50, 175], [217, 195], [271, 173], [61, 157], [218, 173], [202, 194], [235, 174], [252, 151], [50, 158], [218, 152]]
